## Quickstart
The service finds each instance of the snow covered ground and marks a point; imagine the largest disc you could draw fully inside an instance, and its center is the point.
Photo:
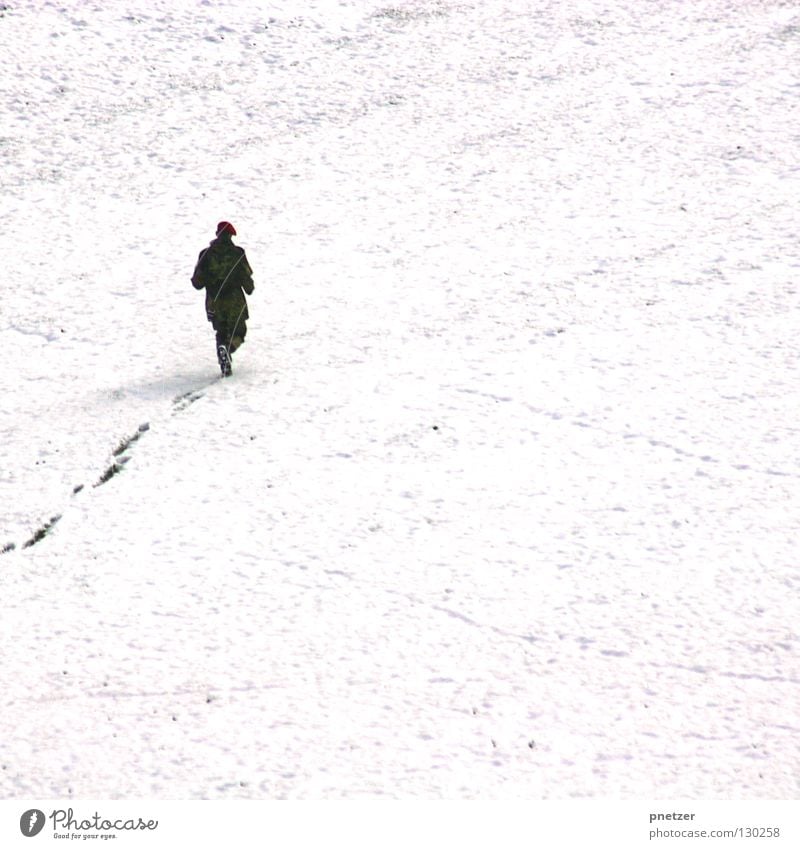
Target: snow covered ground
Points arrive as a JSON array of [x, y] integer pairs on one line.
[[502, 498]]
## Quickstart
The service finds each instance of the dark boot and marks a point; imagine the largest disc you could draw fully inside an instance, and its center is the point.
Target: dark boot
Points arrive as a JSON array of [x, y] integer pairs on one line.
[[224, 361]]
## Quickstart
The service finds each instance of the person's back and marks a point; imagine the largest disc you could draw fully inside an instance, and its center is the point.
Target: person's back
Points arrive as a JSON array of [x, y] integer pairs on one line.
[[223, 271]]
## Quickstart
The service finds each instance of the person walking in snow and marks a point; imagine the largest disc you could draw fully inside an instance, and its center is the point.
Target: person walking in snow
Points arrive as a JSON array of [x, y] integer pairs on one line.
[[223, 271]]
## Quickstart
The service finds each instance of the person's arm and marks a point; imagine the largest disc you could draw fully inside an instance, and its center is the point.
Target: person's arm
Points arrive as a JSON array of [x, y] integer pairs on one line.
[[198, 277], [247, 276]]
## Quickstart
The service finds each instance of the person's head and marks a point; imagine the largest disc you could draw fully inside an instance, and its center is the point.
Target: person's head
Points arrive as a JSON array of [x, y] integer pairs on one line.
[[225, 228]]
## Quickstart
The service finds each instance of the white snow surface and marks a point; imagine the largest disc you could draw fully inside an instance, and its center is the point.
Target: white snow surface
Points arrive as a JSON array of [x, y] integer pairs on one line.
[[502, 497]]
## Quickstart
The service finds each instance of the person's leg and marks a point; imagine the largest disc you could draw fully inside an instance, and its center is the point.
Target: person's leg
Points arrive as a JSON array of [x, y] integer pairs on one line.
[[223, 356], [223, 337], [240, 331]]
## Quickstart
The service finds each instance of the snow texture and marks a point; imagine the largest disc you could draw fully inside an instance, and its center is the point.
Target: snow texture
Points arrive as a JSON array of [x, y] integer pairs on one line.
[[502, 498]]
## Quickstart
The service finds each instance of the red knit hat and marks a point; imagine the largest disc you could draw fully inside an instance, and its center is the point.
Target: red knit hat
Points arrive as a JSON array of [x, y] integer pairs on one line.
[[226, 227]]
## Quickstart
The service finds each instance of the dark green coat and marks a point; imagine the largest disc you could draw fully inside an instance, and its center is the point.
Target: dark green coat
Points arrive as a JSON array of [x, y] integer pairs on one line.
[[223, 271]]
